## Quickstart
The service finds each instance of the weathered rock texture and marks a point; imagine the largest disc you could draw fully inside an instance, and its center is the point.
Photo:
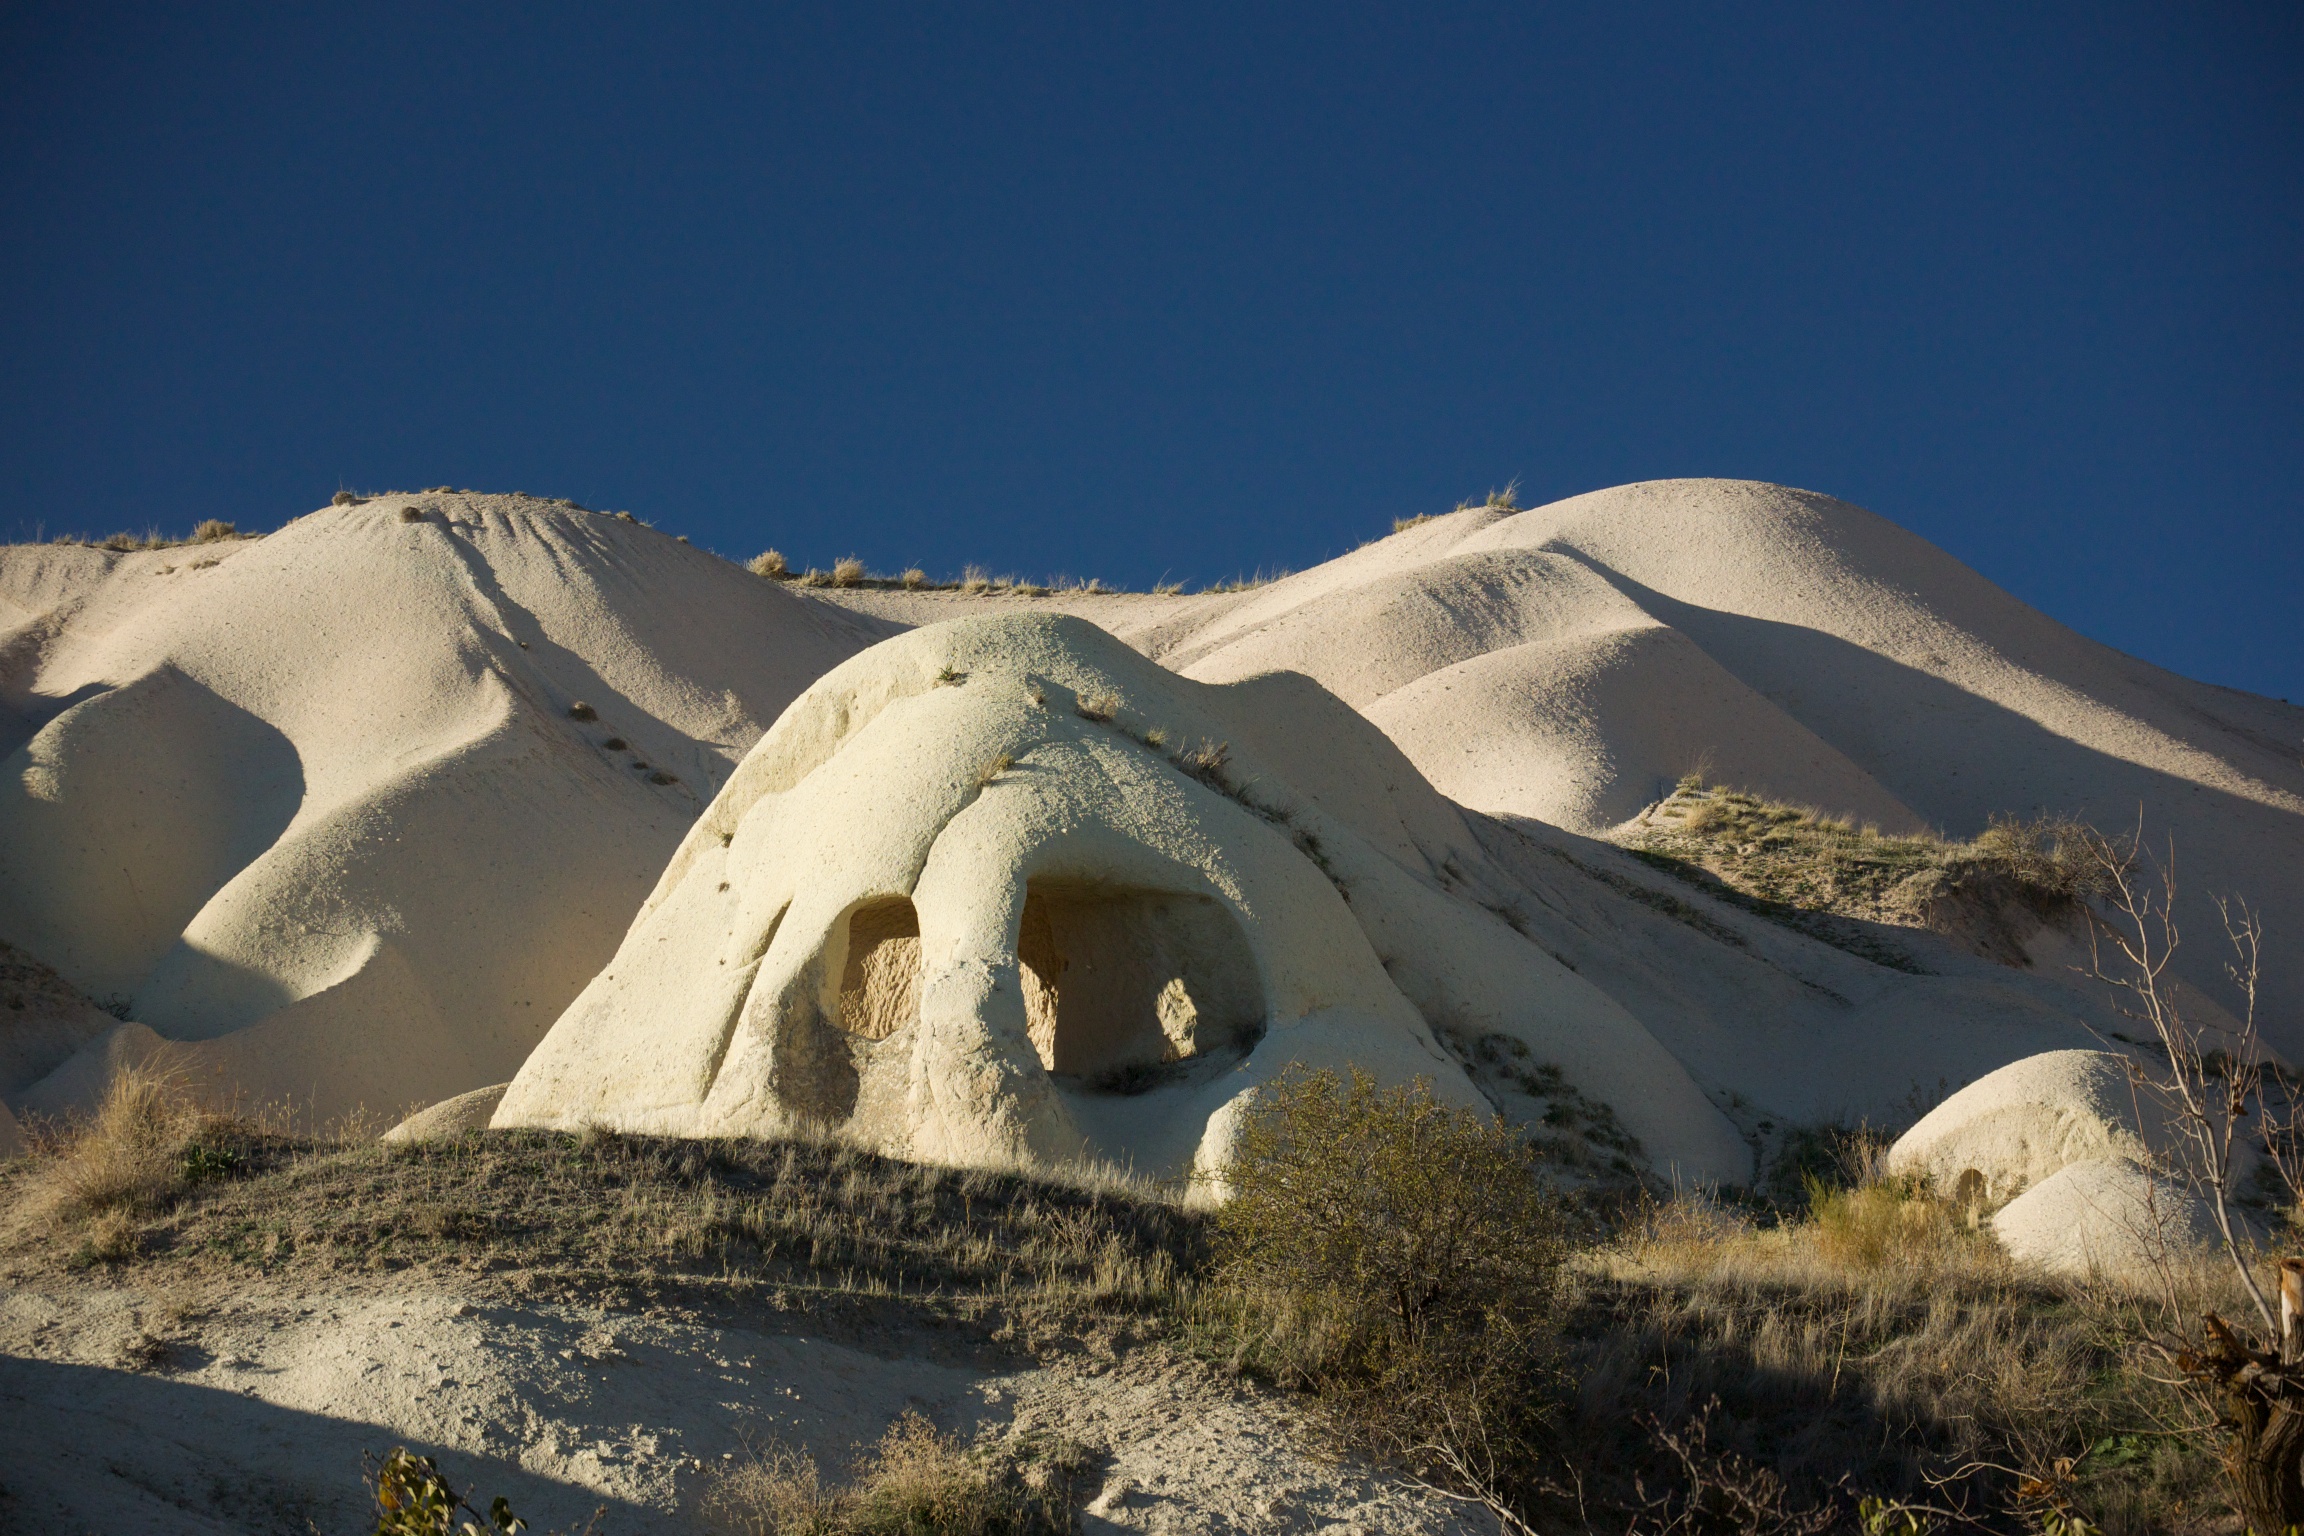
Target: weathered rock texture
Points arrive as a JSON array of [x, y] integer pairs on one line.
[[1003, 890]]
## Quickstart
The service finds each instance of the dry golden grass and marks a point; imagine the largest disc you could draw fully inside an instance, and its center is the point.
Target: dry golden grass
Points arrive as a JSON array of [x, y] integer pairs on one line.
[[719, 1223], [147, 1142], [847, 571], [769, 563], [1249, 583], [915, 1482], [1883, 1344]]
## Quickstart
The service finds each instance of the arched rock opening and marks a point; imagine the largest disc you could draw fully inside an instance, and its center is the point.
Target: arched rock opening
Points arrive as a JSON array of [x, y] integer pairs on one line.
[[1120, 981], [880, 978]]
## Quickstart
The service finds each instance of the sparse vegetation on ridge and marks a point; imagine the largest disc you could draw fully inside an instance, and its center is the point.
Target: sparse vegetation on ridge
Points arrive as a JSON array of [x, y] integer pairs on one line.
[[777, 1223], [1823, 874], [209, 531]]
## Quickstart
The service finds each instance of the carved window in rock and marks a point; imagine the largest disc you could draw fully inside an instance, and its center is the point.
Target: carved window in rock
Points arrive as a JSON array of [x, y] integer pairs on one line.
[[1119, 981], [880, 978]]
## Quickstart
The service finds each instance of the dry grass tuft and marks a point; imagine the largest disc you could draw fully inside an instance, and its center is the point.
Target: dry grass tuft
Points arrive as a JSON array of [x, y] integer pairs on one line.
[[769, 563], [973, 580], [411, 513], [1099, 707], [847, 571], [813, 577], [916, 1481], [214, 531], [1403, 524], [1206, 762], [344, 499], [1261, 578], [146, 1143], [579, 710], [992, 769], [913, 579]]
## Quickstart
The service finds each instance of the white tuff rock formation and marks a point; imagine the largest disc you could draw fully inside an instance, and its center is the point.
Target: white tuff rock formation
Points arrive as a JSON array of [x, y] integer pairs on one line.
[[1002, 890]]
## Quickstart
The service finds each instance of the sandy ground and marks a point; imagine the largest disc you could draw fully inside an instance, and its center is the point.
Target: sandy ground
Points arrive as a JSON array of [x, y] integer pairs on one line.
[[126, 1412]]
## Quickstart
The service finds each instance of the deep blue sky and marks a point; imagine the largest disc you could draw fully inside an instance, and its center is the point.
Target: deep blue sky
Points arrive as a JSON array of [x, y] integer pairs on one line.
[[1147, 291]]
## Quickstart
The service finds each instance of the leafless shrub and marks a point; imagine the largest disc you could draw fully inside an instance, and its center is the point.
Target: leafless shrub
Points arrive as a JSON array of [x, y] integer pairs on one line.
[[411, 513], [579, 710], [2214, 1089], [1099, 707], [344, 499], [1720, 1491]]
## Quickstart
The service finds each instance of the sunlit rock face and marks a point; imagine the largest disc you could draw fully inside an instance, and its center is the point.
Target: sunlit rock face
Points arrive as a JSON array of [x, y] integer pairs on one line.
[[1004, 891]]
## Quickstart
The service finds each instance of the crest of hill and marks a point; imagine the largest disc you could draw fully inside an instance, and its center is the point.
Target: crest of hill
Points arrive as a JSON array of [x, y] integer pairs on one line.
[[1568, 664], [347, 814]]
